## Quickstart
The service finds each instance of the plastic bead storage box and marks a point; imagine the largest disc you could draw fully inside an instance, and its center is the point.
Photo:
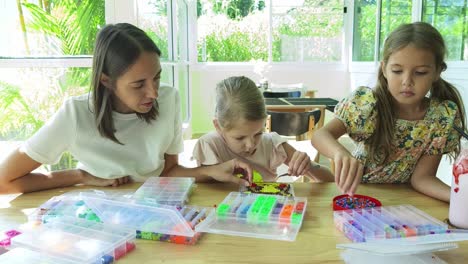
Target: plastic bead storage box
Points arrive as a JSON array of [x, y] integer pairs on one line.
[[150, 221], [26, 256], [165, 190], [77, 240], [66, 205], [363, 225], [256, 215]]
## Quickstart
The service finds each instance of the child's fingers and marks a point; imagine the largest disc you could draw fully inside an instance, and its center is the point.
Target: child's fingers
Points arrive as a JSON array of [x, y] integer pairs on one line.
[[344, 174], [239, 181], [357, 179], [120, 181], [353, 167], [304, 166], [292, 164], [298, 163], [246, 167], [338, 165]]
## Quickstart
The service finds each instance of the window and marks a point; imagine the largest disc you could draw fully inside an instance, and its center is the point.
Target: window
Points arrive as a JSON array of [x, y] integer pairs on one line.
[[232, 30], [450, 18], [367, 45], [47, 57], [166, 22], [307, 30], [270, 30]]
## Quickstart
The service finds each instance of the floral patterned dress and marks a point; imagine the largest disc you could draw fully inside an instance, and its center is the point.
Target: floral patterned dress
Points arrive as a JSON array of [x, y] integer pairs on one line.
[[434, 135]]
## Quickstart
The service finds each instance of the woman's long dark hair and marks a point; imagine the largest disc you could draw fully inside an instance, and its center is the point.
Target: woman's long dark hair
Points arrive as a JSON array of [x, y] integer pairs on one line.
[[117, 48]]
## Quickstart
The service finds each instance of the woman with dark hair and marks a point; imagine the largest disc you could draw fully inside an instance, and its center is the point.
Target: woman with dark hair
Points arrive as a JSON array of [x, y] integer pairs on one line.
[[127, 128]]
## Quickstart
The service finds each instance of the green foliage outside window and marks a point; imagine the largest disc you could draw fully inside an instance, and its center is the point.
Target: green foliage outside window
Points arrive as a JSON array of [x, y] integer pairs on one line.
[[67, 27]]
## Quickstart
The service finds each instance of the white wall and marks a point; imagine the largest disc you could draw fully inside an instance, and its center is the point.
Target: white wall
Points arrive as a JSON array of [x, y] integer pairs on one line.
[[330, 80]]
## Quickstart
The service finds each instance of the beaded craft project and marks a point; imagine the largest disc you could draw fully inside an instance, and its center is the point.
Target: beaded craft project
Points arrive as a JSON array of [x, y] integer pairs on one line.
[[284, 189]]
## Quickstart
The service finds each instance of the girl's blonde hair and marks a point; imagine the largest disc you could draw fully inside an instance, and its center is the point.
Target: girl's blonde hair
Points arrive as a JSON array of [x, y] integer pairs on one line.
[[238, 97], [423, 36]]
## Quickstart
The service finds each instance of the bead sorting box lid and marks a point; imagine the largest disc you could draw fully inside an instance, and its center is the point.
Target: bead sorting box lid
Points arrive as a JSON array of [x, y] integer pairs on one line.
[[358, 201], [76, 240], [164, 219], [165, 190], [193, 216], [362, 225], [256, 215], [66, 205], [27, 256]]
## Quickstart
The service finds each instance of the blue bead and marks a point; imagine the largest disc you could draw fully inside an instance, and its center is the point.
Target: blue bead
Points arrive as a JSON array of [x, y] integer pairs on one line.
[[106, 259]]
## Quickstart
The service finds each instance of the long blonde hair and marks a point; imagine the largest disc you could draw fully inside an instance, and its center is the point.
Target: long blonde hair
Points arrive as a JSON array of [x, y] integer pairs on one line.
[[423, 36], [238, 97]]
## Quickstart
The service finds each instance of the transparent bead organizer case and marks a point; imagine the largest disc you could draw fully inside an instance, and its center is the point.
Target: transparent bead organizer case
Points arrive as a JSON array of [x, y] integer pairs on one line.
[[362, 225], [26, 256], [165, 190], [77, 240], [256, 215], [150, 221]]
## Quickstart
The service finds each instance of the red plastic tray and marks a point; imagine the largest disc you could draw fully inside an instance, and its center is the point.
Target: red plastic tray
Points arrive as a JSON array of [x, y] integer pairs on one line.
[[357, 201]]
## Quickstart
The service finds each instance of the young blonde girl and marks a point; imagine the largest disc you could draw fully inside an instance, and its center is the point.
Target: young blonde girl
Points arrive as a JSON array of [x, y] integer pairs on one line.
[[405, 124], [240, 121], [129, 127]]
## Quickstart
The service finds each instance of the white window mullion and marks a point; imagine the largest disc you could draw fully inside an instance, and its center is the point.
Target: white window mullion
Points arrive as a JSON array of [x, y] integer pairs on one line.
[[171, 28], [84, 61], [192, 32], [347, 47], [270, 31], [416, 12], [118, 11], [378, 23]]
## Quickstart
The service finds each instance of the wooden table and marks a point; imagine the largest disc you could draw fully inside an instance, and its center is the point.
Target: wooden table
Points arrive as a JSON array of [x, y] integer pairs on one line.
[[315, 243]]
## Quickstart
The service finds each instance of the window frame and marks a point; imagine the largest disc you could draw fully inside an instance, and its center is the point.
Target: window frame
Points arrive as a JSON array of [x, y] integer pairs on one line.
[[117, 11], [268, 6]]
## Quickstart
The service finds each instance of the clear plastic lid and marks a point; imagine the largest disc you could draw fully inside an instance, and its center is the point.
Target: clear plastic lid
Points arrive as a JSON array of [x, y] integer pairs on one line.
[[143, 218], [71, 204], [193, 215], [27, 256], [66, 205], [256, 215], [165, 190], [82, 243]]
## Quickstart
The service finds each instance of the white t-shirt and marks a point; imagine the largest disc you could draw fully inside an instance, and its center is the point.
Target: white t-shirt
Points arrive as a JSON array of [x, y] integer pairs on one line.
[[73, 129]]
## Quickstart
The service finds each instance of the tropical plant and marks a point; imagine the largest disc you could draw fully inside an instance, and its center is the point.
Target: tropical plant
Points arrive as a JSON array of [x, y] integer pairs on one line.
[[67, 27]]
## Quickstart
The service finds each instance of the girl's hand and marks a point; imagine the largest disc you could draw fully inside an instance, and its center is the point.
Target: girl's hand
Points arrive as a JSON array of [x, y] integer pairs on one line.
[[299, 164], [226, 172], [89, 179], [348, 172]]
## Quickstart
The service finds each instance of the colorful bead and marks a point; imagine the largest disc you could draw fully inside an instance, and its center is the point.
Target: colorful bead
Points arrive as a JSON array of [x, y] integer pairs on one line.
[[354, 203]]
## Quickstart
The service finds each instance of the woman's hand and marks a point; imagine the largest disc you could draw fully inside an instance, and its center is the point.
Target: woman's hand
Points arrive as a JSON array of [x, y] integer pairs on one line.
[[226, 172], [299, 164], [348, 172], [92, 180]]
